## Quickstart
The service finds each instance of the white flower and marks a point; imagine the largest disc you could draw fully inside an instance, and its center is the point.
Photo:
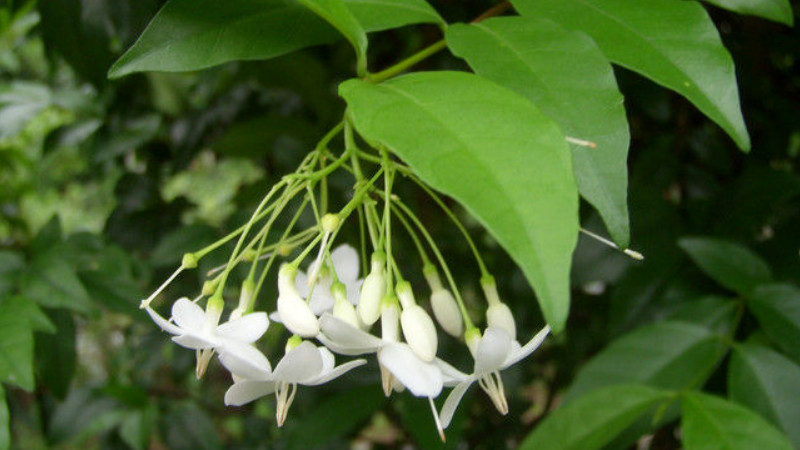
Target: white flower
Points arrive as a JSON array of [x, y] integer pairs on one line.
[[200, 330], [494, 352], [372, 291], [305, 364], [444, 305], [294, 312]]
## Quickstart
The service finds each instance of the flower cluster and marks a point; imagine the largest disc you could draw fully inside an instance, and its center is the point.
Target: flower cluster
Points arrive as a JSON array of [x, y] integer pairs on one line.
[[330, 309]]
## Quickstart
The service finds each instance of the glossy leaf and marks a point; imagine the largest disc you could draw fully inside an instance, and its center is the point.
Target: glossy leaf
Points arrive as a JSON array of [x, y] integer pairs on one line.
[[777, 308], [593, 420], [776, 10], [495, 153], [674, 43], [16, 345], [669, 355], [336, 13], [195, 34], [711, 422], [768, 383], [729, 264], [565, 75]]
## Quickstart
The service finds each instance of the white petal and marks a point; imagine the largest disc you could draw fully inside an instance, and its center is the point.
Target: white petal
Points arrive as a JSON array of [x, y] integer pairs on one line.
[[296, 315], [275, 316], [451, 404], [518, 354], [420, 332], [336, 372], [248, 328], [498, 315], [344, 338], [245, 361], [328, 361], [353, 290], [163, 323], [195, 341], [493, 349], [246, 391], [301, 283], [302, 363], [188, 315], [321, 300], [450, 375], [345, 262], [421, 378]]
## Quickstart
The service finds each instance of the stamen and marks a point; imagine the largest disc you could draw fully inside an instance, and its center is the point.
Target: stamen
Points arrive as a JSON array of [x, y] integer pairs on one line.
[[203, 358], [436, 419], [284, 401], [492, 384], [581, 142], [632, 253], [146, 302]]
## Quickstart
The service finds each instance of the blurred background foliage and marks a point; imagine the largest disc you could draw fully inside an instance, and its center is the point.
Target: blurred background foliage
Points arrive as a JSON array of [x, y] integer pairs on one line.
[[104, 185]]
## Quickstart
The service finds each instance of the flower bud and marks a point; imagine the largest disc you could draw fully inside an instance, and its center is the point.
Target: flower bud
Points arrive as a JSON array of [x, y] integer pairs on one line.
[[342, 308], [499, 315], [472, 337], [446, 311], [372, 291], [420, 332], [295, 313], [189, 261], [390, 316]]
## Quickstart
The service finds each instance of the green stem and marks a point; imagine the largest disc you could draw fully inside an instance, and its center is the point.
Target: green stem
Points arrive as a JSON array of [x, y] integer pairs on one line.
[[407, 63], [420, 249]]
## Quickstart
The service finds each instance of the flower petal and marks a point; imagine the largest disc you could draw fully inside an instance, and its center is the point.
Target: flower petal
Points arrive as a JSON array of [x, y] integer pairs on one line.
[[188, 315], [421, 378], [301, 283], [245, 361], [451, 404], [450, 375], [195, 341], [297, 315], [336, 372], [246, 391], [493, 349], [321, 300], [353, 291], [345, 262], [248, 328], [518, 354], [302, 363], [163, 323], [344, 338]]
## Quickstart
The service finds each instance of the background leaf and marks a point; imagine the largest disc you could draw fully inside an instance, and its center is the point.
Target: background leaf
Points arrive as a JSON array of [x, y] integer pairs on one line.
[[593, 420], [336, 13], [51, 281], [777, 308], [56, 354], [767, 382], [777, 10], [451, 127], [5, 436], [669, 355], [673, 43], [729, 264], [16, 344], [711, 422], [565, 75]]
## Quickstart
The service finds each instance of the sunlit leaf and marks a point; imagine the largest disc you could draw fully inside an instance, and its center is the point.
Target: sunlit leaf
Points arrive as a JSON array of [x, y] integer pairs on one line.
[[777, 10], [335, 12], [491, 150]]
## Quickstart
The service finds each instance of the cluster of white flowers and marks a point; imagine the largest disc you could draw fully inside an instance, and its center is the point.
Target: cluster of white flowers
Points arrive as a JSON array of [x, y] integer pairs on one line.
[[333, 306]]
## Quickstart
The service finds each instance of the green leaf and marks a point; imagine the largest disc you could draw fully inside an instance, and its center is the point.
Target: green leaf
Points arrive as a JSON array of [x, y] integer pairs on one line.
[[718, 314], [336, 417], [56, 356], [5, 435], [11, 264], [776, 10], [36, 317], [52, 282], [16, 345], [729, 264], [668, 355], [137, 427], [777, 308], [674, 43], [84, 413], [593, 420], [768, 383], [713, 423], [190, 428], [452, 127], [195, 34], [336, 13], [565, 75]]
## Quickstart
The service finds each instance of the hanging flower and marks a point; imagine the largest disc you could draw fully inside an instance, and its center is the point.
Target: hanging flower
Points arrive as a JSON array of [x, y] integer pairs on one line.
[[304, 364], [493, 352]]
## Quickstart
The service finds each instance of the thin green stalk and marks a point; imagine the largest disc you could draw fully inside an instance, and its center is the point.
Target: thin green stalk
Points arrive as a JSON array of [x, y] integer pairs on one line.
[[407, 63], [420, 249]]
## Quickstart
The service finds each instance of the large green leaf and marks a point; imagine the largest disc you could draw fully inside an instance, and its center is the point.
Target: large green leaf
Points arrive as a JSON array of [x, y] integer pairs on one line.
[[769, 383], [669, 355], [336, 13], [568, 78], [51, 281], [493, 151], [712, 423], [729, 264], [777, 308], [674, 43], [777, 10], [593, 420], [16, 344], [195, 34]]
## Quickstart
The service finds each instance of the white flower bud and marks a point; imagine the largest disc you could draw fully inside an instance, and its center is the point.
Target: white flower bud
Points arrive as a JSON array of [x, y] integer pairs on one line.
[[420, 332], [372, 291], [499, 315], [390, 318], [295, 313], [342, 308], [446, 311]]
